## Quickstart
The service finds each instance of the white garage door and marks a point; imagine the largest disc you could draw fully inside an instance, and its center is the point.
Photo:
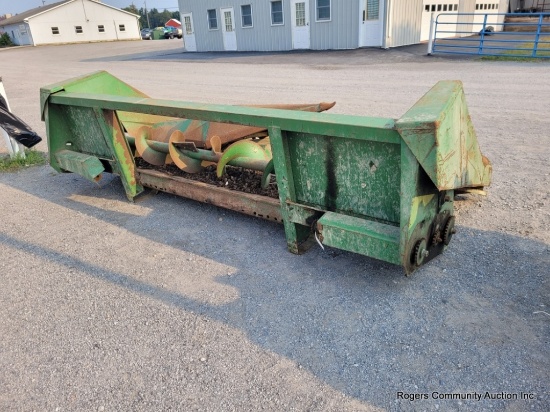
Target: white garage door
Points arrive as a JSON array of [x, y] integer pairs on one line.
[[489, 8], [447, 26]]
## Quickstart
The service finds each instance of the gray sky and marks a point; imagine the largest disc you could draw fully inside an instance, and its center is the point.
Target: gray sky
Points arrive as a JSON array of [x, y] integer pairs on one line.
[[18, 6]]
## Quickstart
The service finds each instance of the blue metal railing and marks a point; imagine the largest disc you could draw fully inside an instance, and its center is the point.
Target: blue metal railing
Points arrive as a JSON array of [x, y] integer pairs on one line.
[[488, 34]]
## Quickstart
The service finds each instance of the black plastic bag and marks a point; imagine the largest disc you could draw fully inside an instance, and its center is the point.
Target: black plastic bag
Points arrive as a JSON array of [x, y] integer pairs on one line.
[[17, 128]]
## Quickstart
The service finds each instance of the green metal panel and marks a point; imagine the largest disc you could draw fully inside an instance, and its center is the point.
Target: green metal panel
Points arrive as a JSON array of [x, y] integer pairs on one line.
[[345, 175], [338, 125], [113, 134], [83, 124], [374, 239], [439, 132], [75, 129], [296, 234], [98, 82], [85, 165]]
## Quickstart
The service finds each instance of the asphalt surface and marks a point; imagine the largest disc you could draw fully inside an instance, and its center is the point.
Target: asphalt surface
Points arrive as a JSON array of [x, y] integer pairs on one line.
[[168, 304]]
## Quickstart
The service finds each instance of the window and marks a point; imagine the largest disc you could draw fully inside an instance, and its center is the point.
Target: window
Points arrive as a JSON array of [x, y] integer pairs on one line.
[[228, 20], [212, 19], [246, 13], [55, 30], [432, 7], [300, 14], [121, 27], [22, 30], [323, 10], [78, 29], [373, 9], [101, 28], [277, 12], [188, 25]]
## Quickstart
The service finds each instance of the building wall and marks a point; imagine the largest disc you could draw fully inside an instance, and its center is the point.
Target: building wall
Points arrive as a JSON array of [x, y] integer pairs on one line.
[[503, 8], [465, 22], [404, 22], [514, 4], [88, 15], [261, 37], [341, 32], [405, 19], [20, 33], [475, 23]]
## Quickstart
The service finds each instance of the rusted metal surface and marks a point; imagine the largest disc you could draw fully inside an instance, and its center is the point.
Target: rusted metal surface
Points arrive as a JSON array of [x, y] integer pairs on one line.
[[184, 136], [201, 132], [250, 204]]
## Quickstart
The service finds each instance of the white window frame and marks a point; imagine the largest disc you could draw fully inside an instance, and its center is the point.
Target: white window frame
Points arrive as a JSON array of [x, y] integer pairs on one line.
[[122, 27], [271, 12], [251, 17], [76, 28], [317, 12], [56, 29], [100, 27], [208, 20]]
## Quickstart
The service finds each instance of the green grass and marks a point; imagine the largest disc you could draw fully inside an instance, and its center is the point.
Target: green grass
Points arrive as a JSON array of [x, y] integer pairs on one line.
[[32, 158], [543, 49]]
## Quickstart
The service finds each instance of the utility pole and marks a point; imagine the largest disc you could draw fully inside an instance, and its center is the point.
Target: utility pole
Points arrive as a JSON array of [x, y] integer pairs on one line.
[[147, 14]]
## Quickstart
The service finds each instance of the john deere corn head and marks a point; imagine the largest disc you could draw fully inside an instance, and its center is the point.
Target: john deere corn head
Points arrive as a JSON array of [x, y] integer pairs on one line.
[[379, 187]]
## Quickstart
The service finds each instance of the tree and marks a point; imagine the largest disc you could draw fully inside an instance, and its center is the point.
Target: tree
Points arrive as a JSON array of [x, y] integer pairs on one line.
[[132, 9], [156, 17], [5, 40]]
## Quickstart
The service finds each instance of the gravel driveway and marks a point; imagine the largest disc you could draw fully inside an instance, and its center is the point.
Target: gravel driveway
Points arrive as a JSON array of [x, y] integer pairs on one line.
[[168, 304]]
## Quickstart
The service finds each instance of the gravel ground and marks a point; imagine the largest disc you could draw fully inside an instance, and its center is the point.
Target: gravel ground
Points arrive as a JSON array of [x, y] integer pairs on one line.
[[168, 304]]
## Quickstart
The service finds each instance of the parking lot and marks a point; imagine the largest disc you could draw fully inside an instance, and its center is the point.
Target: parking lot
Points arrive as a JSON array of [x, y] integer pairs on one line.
[[169, 304]]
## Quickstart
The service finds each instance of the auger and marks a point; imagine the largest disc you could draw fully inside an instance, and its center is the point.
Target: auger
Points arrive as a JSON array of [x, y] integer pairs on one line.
[[380, 187]]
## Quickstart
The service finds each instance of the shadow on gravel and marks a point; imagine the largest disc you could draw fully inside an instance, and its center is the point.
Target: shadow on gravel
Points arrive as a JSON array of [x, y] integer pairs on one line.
[[465, 322]]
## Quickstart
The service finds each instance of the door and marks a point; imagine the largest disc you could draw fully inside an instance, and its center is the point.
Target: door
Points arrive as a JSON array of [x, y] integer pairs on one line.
[[24, 34], [188, 30], [300, 24], [446, 13], [228, 29], [371, 23], [483, 8]]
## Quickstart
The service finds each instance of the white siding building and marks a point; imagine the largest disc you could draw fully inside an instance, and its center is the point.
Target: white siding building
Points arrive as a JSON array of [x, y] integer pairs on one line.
[[277, 25], [71, 21]]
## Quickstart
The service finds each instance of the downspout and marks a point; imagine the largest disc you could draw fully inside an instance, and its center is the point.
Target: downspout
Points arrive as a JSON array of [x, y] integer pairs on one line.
[[387, 24]]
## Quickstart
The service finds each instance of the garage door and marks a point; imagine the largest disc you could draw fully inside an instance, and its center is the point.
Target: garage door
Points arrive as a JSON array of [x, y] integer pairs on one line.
[[447, 27], [489, 8]]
